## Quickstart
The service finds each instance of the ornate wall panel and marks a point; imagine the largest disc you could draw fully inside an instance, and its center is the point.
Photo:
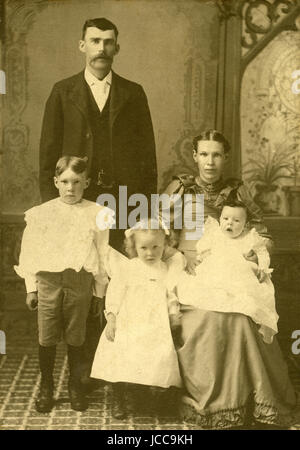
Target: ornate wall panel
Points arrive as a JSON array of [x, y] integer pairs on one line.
[[262, 21], [20, 181], [270, 117], [190, 64], [177, 61]]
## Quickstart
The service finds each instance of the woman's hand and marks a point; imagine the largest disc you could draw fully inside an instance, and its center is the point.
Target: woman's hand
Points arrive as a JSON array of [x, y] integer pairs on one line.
[[32, 301], [110, 329]]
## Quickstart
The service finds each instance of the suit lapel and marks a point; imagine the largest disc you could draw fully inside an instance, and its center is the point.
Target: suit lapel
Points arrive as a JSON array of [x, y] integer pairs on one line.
[[119, 96], [79, 94]]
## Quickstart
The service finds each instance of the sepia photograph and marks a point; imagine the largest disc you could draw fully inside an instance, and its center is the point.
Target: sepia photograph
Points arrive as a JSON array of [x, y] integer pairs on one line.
[[150, 217]]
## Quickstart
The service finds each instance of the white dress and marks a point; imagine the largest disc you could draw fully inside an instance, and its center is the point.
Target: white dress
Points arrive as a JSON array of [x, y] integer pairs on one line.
[[143, 351], [226, 282]]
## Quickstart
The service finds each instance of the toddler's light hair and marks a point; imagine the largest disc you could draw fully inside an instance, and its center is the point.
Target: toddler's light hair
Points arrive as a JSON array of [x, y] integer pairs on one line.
[[129, 242]]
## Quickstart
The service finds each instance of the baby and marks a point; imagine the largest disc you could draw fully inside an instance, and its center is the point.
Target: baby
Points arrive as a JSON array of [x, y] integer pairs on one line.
[[225, 281]]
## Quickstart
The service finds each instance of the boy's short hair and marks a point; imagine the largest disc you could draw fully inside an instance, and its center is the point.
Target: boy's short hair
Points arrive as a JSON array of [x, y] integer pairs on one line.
[[101, 23], [211, 135], [78, 165]]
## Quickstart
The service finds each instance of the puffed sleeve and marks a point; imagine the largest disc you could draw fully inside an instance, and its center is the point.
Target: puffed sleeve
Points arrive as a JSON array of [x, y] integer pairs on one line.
[[176, 265], [104, 221], [115, 294], [173, 302], [259, 247], [115, 262], [101, 279], [25, 269], [171, 208]]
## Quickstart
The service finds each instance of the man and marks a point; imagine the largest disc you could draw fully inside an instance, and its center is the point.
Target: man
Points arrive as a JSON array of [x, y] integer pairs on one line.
[[98, 114], [102, 116]]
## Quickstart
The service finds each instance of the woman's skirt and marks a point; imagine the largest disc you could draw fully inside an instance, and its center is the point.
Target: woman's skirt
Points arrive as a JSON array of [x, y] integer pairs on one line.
[[231, 376]]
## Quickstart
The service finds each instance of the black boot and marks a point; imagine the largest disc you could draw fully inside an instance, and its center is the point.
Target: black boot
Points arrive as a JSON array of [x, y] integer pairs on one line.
[[76, 392], [44, 402], [166, 402], [143, 399], [119, 403]]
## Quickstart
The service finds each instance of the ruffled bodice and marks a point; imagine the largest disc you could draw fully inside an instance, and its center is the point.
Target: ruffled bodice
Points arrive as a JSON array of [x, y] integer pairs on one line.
[[218, 243], [185, 190], [226, 282], [136, 276], [141, 298], [59, 236]]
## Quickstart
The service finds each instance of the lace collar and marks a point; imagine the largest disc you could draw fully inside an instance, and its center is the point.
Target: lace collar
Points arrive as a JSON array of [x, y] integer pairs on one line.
[[212, 188]]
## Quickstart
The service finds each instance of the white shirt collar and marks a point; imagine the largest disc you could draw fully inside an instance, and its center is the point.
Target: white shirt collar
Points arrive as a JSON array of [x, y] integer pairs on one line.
[[92, 80]]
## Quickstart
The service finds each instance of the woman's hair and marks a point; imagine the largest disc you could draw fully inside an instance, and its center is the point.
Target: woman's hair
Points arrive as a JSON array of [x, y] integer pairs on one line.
[[129, 241], [211, 135], [235, 203], [78, 165]]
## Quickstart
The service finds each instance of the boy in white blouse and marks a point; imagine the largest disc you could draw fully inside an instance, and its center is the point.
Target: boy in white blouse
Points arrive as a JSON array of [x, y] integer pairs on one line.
[[62, 262]]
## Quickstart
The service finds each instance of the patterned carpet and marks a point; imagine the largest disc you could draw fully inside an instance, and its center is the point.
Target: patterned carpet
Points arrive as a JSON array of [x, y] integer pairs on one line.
[[19, 383]]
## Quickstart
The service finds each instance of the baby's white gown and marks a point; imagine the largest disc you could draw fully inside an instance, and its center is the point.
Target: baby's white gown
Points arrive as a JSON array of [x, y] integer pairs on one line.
[[143, 350], [226, 282]]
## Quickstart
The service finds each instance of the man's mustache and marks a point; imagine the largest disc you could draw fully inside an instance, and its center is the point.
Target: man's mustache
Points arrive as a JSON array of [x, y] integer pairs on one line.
[[101, 57]]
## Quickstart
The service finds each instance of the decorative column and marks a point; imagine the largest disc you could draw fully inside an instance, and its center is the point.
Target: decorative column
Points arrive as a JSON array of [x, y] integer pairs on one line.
[[20, 188], [18, 180], [246, 27], [2, 16], [229, 80]]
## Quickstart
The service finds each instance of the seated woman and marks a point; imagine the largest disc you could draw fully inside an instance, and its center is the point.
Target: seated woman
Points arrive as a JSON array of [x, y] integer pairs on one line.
[[232, 377]]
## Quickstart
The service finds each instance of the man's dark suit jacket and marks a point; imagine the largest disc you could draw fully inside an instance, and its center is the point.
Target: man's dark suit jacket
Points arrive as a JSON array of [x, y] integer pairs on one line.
[[66, 131]]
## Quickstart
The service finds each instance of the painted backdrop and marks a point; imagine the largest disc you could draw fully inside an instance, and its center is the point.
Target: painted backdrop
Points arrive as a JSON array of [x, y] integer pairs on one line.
[[169, 46]]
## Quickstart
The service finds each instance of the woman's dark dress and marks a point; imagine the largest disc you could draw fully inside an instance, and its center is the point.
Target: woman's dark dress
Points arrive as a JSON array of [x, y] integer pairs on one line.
[[231, 376]]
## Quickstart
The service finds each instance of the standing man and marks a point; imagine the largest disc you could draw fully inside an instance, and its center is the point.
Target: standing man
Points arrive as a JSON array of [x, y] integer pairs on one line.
[[105, 117]]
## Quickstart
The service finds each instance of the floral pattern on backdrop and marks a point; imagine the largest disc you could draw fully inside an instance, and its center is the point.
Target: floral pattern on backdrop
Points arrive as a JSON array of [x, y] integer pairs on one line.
[[270, 132]]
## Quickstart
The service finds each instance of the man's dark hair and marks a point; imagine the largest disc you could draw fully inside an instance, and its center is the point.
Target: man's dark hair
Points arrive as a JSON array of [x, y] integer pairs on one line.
[[211, 135], [101, 23]]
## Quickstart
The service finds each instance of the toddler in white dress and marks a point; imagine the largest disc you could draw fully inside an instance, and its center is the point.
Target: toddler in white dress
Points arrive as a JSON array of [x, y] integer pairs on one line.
[[136, 345], [225, 281]]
